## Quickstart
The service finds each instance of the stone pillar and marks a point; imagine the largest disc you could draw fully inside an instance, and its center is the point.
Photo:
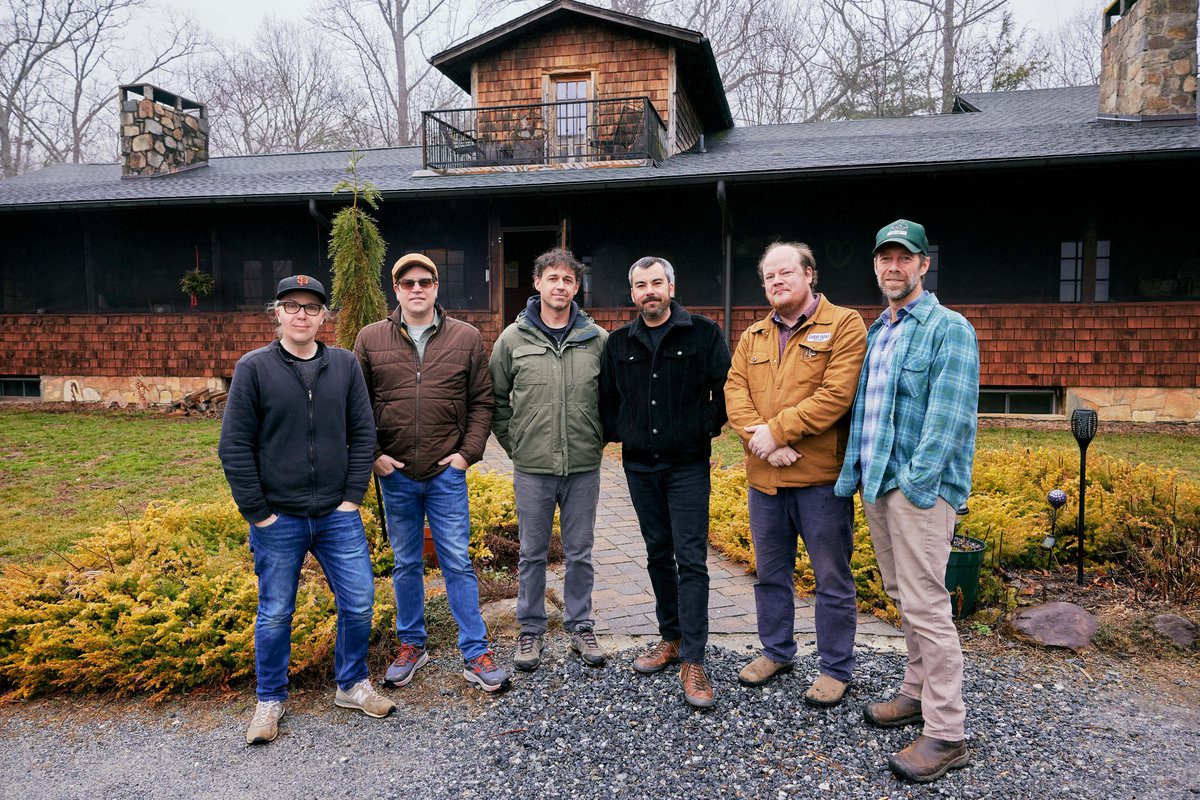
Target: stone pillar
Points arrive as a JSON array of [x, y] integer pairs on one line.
[[1148, 62], [161, 134]]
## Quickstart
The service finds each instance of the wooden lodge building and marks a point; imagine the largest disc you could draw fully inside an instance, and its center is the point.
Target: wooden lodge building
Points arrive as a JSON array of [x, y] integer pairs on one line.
[[1062, 221]]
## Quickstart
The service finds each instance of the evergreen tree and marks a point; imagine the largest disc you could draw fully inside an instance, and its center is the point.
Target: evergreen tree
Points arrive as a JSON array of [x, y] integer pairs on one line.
[[357, 250]]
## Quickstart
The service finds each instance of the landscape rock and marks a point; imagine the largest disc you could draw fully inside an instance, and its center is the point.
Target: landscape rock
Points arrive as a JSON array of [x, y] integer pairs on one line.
[[1054, 625], [1180, 630]]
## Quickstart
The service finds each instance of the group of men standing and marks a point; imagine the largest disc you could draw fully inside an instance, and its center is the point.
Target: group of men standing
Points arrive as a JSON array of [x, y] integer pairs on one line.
[[825, 408]]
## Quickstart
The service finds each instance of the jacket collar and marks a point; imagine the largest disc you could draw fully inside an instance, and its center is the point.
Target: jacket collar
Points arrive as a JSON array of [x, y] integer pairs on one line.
[[277, 348], [583, 327], [822, 316]]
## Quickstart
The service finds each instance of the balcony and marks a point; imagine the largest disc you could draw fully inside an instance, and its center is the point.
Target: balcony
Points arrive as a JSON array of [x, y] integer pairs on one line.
[[623, 131]]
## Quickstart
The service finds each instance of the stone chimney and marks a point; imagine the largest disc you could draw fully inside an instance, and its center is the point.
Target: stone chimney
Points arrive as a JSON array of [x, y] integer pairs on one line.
[[1148, 64], [161, 133]]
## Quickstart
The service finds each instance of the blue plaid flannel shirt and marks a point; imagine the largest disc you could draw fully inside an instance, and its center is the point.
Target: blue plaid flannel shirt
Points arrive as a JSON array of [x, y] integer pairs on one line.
[[925, 441]]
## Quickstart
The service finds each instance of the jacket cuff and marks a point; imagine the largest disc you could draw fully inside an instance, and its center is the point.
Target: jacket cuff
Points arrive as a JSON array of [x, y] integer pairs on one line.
[[257, 515], [777, 433]]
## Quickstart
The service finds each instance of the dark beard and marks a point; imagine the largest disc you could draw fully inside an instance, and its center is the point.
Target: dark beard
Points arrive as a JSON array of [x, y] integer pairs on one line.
[[654, 316]]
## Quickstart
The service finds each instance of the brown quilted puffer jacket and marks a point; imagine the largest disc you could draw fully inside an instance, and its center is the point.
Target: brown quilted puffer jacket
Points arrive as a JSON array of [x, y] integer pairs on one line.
[[427, 409]]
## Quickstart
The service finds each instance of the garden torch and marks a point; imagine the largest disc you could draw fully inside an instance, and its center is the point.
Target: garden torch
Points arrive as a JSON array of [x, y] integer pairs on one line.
[[1057, 499], [1083, 427]]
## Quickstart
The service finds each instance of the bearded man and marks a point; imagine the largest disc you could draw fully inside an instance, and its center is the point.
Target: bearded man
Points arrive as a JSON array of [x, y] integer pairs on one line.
[[662, 396]]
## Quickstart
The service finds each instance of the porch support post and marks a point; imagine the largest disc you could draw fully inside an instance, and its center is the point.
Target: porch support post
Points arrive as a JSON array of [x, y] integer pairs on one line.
[[726, 262]]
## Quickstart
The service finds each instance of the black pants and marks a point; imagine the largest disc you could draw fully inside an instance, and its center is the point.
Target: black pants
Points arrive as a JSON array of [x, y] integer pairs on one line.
[[672, 510]]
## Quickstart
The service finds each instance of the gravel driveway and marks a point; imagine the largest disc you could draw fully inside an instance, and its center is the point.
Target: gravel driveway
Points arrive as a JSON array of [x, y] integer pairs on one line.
[[1036, 731]]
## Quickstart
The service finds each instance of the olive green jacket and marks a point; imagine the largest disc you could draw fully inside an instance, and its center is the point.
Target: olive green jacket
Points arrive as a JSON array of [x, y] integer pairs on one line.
[[547, 397]]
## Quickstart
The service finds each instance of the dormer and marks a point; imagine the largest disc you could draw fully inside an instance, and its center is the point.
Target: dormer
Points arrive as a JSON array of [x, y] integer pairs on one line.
[[571, 85]]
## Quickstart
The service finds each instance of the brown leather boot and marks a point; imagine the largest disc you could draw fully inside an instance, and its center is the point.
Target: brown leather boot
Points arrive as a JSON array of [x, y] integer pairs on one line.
[[697, 691], [927, 759], [895, 713], [661, 656]]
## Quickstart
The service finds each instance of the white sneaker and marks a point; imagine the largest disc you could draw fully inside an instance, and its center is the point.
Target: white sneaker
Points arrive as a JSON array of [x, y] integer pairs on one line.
[[362, 696], [265, 725]]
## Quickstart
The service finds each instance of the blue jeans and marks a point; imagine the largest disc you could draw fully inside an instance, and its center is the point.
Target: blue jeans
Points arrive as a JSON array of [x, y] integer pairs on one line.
[[825, 523], [339, 544], [443, 500]]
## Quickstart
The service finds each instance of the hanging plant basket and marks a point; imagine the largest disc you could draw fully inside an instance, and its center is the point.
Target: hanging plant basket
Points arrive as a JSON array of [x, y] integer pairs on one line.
[[197, 284]]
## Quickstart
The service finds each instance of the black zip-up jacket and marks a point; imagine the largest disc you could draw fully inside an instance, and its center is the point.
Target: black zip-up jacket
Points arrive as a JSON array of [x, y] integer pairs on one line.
[[665, 407], [287, 449]]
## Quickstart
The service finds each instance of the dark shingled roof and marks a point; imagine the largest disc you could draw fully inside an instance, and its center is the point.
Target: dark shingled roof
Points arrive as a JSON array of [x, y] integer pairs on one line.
[[1032, 127]]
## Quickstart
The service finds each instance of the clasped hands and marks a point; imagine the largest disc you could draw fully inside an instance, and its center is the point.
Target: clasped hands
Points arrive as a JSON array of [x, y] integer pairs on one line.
[[763, 445]]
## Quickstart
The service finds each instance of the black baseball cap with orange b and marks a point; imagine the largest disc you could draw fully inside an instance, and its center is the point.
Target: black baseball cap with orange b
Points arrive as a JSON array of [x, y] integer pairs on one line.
[[301, 283]]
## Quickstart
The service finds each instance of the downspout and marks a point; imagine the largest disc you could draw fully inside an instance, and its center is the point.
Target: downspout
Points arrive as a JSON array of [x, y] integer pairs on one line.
[[727, 261], [322, 222]]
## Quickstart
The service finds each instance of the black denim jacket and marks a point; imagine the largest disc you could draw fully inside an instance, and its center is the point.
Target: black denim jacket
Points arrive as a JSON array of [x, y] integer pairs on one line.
[[665, 407]]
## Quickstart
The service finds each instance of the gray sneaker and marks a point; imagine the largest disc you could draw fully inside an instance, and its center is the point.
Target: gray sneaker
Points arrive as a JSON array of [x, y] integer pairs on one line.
[[363, 697], [529, 652], [409, 659], [583, 642], [483, 672], [265, 725]]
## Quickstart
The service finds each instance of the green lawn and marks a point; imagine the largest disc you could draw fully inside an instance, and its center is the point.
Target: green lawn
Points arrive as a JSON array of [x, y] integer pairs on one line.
[[62, 474]]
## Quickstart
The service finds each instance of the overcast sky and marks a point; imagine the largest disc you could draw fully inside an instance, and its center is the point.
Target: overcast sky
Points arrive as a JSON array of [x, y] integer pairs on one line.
[[238, 19]]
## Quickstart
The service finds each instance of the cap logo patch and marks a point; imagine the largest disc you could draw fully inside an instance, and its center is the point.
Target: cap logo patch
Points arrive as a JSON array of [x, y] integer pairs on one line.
[[302, 280]]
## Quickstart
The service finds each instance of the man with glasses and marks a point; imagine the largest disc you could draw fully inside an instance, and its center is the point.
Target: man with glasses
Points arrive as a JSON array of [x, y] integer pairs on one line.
[[788, 397], [544, 368], [428, 381], [296, 445]]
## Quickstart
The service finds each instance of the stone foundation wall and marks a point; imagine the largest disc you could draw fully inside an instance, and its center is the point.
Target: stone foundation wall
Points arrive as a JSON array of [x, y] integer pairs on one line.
[[1148, 64], [140, 391], [1138, 404], [158, 140]]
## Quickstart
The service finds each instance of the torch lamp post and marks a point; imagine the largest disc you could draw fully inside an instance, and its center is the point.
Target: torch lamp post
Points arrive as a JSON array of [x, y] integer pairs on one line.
[[1083, 428], [1057, 499]]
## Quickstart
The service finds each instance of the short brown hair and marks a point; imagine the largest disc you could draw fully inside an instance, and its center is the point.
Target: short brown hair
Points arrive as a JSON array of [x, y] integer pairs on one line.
[[807, 259], [558, 257]]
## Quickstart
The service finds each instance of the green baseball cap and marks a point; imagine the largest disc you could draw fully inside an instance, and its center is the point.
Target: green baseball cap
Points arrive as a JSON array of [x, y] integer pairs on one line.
[[902, 231]]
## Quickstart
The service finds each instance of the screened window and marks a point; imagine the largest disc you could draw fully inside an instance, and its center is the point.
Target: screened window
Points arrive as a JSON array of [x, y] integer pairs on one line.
[[23, 387], [1070, 275], [452, 279], [1018, 401]]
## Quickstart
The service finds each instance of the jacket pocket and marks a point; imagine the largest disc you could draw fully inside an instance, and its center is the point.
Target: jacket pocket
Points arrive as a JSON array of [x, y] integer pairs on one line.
[[529, 369], [758, 373], [914, 377]]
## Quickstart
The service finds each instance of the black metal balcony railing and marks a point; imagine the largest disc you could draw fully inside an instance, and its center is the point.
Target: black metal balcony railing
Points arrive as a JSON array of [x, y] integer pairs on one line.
[[577, 131]]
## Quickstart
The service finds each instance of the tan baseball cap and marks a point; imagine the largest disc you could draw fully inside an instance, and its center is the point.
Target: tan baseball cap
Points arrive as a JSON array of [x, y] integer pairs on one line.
[[410, 260]]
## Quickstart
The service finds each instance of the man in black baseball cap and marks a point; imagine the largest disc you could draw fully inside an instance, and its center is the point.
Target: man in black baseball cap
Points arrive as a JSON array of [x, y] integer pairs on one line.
[[294, 403]]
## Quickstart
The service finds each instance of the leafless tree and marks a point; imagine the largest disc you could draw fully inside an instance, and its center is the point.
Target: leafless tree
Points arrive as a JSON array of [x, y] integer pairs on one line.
[[388, 43], [1073, 50], [284, 93], [59, 68]]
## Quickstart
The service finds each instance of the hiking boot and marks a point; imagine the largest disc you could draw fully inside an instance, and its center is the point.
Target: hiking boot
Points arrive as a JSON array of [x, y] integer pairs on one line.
[[928, 759], [697, 691], [483, 672], [583, 642], [363, 697], [826, 692], [661, 656], [264, 727], [409, 659], [761, 670], [529, 652], [896, 713]]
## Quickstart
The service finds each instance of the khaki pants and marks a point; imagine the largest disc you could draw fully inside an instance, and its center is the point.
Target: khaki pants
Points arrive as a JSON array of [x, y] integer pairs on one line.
[[912, 546]]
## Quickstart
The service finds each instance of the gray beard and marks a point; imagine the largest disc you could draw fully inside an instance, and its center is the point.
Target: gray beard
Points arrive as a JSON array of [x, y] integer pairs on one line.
[[898, 294], [654, 316]]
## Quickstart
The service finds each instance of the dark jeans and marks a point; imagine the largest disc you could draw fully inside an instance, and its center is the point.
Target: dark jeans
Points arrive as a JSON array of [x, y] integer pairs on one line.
[[672, 510], [825, 523]]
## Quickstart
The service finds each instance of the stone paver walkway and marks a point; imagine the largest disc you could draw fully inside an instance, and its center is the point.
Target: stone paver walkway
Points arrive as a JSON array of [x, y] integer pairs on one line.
[[623, 601]]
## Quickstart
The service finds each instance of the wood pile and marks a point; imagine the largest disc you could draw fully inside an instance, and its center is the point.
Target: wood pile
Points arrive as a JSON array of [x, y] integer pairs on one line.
[[203, 401]]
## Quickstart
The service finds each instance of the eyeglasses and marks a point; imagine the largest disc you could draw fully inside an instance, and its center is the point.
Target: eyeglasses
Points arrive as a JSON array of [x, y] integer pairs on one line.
[[407, 284], [292, 307]]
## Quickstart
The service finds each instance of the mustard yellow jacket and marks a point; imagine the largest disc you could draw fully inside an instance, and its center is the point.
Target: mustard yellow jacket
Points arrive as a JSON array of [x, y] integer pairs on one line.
[[804, 398]]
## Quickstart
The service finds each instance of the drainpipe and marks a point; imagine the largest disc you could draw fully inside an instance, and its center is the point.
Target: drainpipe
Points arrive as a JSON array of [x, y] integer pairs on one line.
[[727, 260]]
